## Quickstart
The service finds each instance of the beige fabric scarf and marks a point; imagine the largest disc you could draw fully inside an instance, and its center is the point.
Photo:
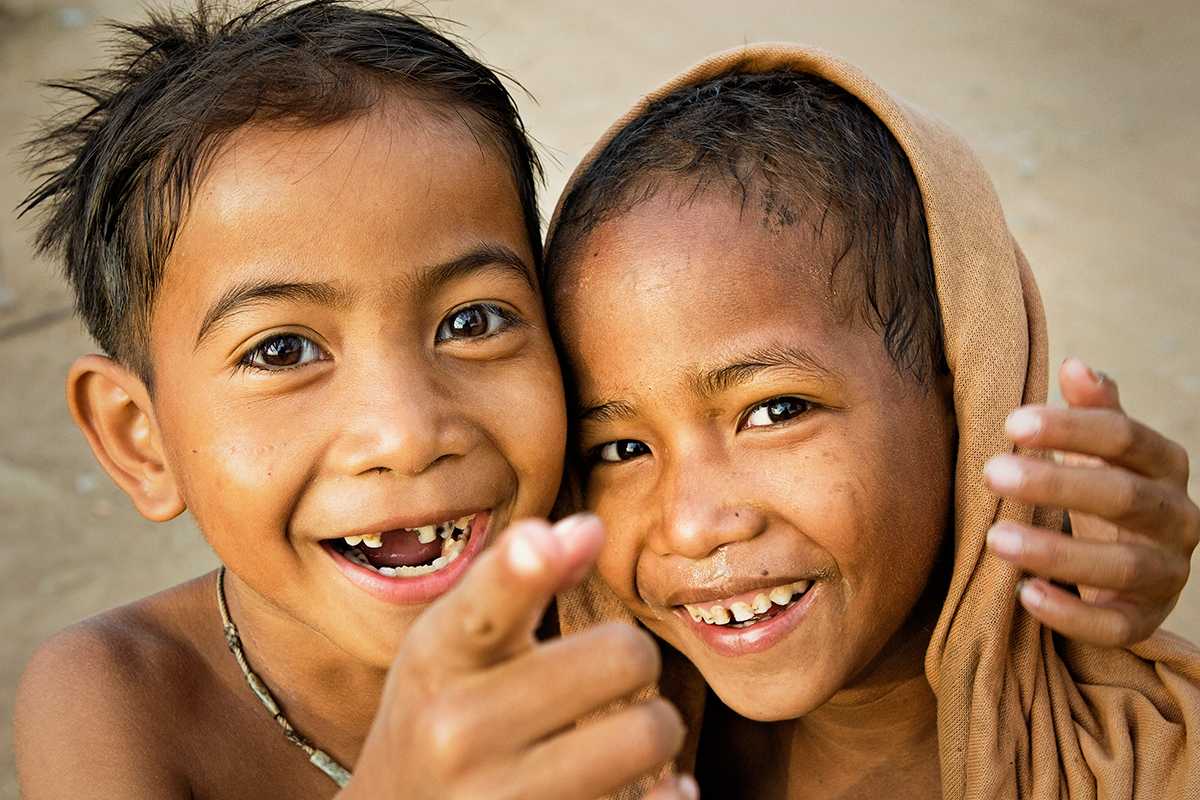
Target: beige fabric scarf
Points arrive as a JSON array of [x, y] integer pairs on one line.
[[1021, 713]]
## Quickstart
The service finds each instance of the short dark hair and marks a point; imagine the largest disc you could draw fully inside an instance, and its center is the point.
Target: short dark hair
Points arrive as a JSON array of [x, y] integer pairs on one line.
[[116, 170], [801, 148]]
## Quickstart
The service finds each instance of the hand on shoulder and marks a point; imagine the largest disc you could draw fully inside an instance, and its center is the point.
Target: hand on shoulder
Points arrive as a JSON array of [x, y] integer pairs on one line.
[[1134, 527]]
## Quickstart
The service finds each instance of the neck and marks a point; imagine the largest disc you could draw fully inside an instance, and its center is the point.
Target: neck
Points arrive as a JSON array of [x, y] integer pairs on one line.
[[877, 746], [329, 697], [877, 738]]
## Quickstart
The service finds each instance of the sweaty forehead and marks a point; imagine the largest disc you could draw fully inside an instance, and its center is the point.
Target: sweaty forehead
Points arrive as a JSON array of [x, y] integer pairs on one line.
[[675, 234], [698, 289]]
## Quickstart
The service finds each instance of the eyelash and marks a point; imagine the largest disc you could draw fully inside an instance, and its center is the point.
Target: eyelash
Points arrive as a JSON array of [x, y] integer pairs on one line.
[[776, 403], [255, 353], [595, 455], [491, 312]]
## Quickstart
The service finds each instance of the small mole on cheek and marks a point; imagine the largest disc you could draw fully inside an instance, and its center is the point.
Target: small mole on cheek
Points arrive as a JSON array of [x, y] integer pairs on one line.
[[766, 572]]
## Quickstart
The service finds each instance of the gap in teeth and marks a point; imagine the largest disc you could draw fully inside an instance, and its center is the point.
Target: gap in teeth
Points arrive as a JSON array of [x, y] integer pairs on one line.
[[454, 534], [741, 614]]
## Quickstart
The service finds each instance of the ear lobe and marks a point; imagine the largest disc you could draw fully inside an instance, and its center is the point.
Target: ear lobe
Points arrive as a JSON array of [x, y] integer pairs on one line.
[[112, 407]]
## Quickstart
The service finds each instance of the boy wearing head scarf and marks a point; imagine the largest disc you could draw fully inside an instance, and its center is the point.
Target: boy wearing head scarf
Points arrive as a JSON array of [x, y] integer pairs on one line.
[[795, 323]]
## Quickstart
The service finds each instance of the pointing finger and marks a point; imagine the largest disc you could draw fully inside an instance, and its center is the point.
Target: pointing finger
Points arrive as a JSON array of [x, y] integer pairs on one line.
[[492, 613]]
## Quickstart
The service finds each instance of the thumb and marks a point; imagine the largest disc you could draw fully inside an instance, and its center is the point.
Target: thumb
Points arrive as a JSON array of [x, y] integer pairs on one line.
[[491, 615]]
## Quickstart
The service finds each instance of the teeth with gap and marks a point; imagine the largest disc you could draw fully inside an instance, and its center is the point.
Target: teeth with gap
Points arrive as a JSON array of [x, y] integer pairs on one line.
[[452, 547], [743, 612]]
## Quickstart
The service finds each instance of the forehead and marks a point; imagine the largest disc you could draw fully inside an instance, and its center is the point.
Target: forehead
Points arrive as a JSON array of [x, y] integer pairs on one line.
[[367, 203], [689, 286]]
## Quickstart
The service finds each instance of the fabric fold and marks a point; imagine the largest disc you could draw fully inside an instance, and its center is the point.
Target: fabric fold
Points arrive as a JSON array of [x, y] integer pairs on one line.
[[1021, 711]]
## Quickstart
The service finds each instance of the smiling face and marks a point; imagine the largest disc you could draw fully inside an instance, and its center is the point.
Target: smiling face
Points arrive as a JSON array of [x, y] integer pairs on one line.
[[775, 492], [349, 347]]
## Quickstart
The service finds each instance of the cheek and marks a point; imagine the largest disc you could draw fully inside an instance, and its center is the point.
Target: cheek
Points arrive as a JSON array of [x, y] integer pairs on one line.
[[618, 562], [233, 466], [528, 417]]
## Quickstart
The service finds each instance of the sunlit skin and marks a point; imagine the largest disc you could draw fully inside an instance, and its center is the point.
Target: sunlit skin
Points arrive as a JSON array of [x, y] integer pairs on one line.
[[349, 339], [349, 342], [741, 431]]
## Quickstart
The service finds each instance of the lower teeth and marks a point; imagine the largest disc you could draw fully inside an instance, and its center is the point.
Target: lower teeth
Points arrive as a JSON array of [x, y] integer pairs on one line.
[[452, 548]]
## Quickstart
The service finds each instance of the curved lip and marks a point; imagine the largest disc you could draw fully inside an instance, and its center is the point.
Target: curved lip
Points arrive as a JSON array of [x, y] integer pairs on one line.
[[398, 524], [734, 642], [733, 589], [421, 588]]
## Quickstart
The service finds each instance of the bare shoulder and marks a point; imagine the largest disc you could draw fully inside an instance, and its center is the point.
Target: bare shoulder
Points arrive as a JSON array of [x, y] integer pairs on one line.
[[99, 704]]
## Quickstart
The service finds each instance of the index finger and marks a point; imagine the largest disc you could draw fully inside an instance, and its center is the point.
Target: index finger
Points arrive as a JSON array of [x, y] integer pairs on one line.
[[491, 615]]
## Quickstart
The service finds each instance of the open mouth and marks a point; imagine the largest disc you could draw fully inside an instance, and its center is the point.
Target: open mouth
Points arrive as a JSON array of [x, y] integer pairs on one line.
[[408, 552], [749, 609]]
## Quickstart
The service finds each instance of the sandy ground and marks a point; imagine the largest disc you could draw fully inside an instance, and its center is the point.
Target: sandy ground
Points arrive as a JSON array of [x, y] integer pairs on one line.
[[1087, 114]]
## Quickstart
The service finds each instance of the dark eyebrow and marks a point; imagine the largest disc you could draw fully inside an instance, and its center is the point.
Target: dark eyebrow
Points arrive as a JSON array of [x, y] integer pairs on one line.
[[715, 380], [247, 294], [487, 257], [607, 412], [748, 365]]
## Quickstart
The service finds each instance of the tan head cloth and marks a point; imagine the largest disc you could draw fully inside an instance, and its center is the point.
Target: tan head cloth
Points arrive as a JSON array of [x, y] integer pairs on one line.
[[1021, 713]]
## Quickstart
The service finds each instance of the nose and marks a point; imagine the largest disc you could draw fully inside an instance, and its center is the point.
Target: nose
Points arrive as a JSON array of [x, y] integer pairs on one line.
[[400, 419], [702, 506]]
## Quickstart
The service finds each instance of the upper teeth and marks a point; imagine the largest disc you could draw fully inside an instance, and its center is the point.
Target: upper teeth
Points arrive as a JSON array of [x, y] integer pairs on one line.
[[742, 611], [452, 546]]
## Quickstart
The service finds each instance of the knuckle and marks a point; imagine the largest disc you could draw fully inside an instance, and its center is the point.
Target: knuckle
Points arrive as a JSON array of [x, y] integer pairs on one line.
[[1124, 433], [630, 652], [1122, 631], [1129, 570], [1175, 462], [655, 728], [1128, 497], [1191, 527], [449, 727]]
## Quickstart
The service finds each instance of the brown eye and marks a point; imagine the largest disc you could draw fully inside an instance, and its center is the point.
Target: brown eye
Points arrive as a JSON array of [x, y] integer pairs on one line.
[[473, 322], [775, 411], [620, 450], [282, 351]]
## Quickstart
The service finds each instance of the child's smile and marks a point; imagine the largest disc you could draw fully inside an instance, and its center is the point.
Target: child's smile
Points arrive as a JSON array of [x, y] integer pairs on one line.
[[775, 492], [350, 347]]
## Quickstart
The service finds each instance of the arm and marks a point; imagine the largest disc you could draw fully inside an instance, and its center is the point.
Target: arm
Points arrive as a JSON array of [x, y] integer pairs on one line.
[[1134, 527], [474, 706]]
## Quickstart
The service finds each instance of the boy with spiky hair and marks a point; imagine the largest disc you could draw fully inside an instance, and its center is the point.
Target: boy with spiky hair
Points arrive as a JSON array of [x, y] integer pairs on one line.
[[307, 240], [794, 323]]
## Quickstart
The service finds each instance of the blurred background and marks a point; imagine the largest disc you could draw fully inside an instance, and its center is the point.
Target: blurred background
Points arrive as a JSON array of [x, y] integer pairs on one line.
[[1086, 113]]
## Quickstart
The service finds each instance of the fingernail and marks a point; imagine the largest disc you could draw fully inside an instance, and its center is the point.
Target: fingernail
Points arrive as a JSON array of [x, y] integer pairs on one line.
[[568, 525], [1004, 541], [524, 555], [1031, 594], [688, 788], [1080, 364], [1023, 423], [1003, 473]]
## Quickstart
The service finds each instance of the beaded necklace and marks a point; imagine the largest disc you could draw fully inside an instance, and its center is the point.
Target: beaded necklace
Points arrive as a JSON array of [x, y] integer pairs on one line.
[[320, 759]]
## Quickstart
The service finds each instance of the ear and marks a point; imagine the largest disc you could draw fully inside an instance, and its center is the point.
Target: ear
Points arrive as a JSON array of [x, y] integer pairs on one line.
[[112, 407]]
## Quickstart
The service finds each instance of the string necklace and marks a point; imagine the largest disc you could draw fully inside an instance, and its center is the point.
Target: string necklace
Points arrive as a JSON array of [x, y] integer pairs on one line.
[[320, 759]]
